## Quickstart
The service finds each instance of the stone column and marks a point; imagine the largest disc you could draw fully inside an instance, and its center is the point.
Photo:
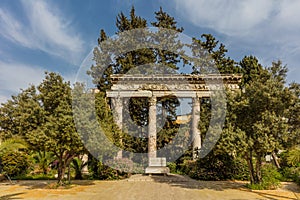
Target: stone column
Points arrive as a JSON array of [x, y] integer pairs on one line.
[[195, 131], [118, 117], [152, 129]]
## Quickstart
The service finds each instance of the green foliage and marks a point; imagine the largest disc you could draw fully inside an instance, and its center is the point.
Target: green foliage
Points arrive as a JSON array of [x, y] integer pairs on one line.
[[15, 163], [290, 174], [270, 179], [257, 122], [109, 62], [291, 165], [125, 165], [97, 139], [173, 167], [104, 172], [77, 164], [270, 176], [262, 117], [43, 160], [293, 157], [43, 116], [12, 145], [35, 177], [216, 167]]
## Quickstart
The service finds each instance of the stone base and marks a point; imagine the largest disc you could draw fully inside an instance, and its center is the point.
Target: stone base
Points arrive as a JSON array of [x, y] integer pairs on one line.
[[157, 170]]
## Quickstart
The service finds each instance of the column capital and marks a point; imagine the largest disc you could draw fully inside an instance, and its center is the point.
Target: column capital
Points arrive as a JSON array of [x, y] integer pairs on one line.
[[152, 101], [196, 101]]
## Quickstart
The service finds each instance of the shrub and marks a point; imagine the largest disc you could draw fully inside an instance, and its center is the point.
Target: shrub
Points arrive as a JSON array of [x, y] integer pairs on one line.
[[121, 167], [293, 157], [125, 165], [15, 163], [216, 167], [291, 174], [270, 179], [173, 167], [106, 173]]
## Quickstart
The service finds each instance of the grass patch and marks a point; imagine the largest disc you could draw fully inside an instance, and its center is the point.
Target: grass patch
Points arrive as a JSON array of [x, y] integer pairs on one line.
[[34, 177]]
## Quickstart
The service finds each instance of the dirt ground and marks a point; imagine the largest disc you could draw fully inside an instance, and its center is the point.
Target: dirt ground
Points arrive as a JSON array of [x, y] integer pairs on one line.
[[145, 187]]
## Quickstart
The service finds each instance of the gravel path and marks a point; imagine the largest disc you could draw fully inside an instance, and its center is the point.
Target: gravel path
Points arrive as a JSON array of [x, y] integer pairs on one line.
[[146, 187]]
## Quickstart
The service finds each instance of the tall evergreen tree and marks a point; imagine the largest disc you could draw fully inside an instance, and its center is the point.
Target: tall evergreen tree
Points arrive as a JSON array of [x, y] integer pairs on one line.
[[128, 62], [256, 124]]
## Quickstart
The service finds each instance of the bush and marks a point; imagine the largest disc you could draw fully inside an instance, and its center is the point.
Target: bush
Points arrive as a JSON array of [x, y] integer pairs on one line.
[[121, 167], [291, 174], [173, 167], [270, 179], [216, 167], [106, 173], [125, 165], [15, 163], [290, 165]]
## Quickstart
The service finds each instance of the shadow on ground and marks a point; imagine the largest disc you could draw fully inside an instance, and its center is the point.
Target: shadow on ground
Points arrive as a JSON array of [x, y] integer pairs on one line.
[[176, 180], [11, 196], [186, 182], [43, 184]]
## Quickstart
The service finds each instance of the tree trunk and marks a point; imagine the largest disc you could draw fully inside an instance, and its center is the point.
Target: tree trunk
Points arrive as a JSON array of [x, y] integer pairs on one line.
[[250, 167], [258, 169], [275, 160], [69, 174], [64, 161], [61, 171]]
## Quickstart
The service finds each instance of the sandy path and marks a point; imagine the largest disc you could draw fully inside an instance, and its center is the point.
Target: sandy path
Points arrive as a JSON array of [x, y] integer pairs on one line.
[[145, 187]]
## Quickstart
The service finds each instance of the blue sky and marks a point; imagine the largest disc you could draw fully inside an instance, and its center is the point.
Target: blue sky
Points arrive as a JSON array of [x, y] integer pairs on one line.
[[56, 35]]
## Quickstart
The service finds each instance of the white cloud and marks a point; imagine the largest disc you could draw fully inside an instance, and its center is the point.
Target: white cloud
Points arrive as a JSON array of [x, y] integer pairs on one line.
[[46, 30], [229, 16], [269, 29], [16, 76]]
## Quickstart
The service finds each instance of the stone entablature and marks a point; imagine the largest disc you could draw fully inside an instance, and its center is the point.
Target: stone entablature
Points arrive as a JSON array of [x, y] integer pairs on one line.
[[176, 82]]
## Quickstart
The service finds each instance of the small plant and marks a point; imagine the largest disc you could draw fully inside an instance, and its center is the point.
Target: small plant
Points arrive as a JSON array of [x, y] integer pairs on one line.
[[270, 179], [172, 167]]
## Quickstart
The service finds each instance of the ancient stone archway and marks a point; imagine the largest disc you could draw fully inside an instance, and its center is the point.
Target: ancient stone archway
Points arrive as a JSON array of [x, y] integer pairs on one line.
[[156, 86]]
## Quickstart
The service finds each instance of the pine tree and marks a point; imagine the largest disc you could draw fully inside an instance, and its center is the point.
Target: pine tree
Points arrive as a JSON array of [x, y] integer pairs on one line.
[[127, 63]]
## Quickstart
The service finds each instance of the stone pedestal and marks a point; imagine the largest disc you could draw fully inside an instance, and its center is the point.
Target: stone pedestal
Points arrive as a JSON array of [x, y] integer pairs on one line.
[[157, 166], [157, 170]]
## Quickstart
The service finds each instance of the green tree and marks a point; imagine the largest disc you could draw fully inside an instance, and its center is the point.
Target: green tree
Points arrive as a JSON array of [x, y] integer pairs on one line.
[[294, 116], [210, 49], [256, 121], [43, 117], [127, 62], [58, 133]]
